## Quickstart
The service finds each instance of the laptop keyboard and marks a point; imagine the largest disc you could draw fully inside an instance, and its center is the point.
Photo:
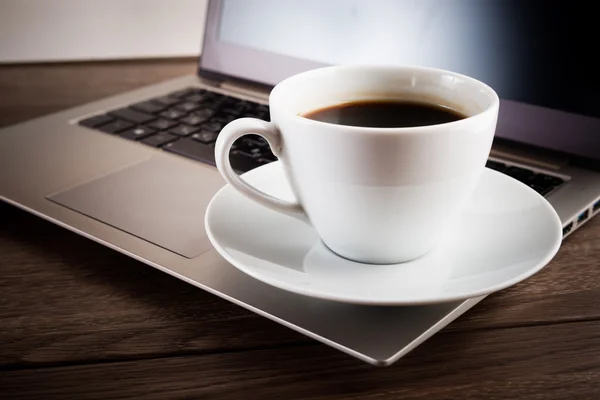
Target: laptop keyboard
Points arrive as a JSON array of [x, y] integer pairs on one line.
[[540, 182], [187, 122]]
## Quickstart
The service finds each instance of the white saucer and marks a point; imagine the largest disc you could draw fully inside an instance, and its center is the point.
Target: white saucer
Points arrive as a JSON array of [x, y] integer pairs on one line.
[[507, 233]]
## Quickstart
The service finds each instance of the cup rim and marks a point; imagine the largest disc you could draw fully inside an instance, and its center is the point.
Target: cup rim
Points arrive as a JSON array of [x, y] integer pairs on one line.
[[491, 109]]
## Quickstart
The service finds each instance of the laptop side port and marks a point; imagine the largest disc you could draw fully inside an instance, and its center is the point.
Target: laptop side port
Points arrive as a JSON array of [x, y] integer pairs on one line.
[[567, 228], [583, 216], [596, 206]]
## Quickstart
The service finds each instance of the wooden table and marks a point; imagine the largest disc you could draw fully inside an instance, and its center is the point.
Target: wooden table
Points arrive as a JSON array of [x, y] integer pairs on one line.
[[80, 321]]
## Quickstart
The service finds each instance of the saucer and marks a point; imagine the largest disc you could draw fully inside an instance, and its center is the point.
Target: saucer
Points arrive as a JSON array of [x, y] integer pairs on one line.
[[506, 233]]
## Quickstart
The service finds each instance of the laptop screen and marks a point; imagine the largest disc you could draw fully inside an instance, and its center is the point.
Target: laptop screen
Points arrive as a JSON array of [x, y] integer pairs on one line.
[[538, 52]]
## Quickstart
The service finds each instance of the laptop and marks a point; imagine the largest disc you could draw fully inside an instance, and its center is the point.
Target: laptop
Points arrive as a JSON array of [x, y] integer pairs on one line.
[[135, 172]]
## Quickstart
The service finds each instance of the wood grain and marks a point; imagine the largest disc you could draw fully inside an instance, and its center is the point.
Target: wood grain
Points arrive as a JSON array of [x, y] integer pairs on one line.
[[78, 320], [66, 306], [551, 362], [65, 299]]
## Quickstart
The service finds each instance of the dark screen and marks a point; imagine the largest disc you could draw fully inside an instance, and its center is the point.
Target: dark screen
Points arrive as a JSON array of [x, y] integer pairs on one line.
[[553, 54], [540, 52]]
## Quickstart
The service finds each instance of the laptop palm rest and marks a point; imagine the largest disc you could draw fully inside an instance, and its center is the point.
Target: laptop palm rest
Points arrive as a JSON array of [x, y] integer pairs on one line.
[[158, 200]]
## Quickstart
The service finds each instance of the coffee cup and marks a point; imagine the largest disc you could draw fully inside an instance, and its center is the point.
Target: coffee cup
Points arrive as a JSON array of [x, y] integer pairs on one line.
[[377, 194]]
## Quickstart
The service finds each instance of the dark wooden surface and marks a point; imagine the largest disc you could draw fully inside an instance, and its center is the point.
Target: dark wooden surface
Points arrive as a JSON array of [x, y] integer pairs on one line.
[[79, 321]]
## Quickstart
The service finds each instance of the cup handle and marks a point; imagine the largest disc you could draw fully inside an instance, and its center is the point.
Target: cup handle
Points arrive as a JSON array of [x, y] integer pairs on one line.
[[233, 131]]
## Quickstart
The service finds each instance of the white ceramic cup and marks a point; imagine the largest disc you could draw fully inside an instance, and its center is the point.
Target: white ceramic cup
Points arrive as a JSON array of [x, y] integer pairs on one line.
[[374, 195]]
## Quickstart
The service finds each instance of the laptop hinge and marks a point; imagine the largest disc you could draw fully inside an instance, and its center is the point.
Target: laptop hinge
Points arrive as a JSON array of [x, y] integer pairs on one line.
[[210, 82], [247, 90], [538, 159]]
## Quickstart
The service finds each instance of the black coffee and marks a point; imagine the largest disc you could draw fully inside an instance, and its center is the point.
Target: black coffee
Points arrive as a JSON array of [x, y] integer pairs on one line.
[[385, 114]]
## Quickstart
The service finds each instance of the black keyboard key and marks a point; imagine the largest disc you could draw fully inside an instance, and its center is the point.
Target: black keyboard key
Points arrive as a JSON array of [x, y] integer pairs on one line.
[[261, 108], [166, 101], [96, 121], [217, 96], [137, 133], [252, 143], [192, 149], [231, 112], [540, 189], [224, 101], [261, 141], [244, 107], [183, 130], [172, 114], [214, 126], [193, 120], [263, 161], [241, 162], [498, 166], [253, 153], [228, 101], [547, 180], [129, 114], [198, 117], [159, 139], [187, 106], [162, 124], [205, 137], [206, 113], [199, 98], [252, 147], [520, 174], [148, 107], [214, 103], [262, 112], [252, 113], [240, 144], [118, 125], [225, 112]]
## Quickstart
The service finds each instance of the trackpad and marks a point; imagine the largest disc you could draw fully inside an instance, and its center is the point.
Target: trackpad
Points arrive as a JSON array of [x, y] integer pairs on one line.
[[159, 200]]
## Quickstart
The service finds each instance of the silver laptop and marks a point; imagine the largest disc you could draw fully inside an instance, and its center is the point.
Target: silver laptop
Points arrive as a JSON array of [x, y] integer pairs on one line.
[[135, 171]]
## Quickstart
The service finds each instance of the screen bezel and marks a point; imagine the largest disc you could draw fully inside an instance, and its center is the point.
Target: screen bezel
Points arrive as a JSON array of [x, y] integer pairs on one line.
[[252, 65], [552, 129]]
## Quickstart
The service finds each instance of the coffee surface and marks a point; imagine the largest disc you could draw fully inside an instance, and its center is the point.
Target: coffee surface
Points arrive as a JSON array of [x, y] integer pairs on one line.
[[385, 114]]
